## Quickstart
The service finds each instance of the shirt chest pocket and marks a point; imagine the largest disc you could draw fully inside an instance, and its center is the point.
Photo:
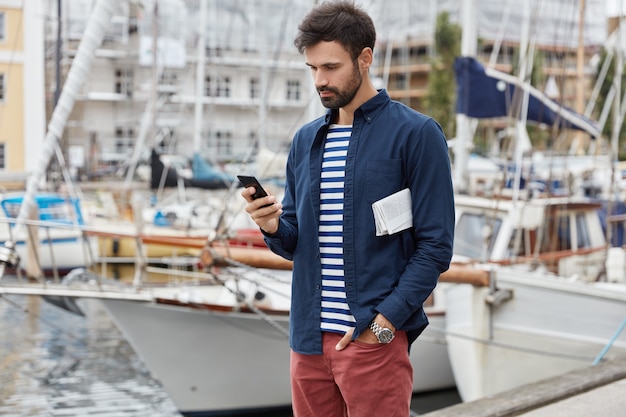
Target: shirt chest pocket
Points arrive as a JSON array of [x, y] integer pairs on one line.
[[383, 177]]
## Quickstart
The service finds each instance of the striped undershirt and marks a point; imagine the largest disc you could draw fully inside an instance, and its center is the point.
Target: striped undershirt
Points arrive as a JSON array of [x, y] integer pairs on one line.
[[336, 316]]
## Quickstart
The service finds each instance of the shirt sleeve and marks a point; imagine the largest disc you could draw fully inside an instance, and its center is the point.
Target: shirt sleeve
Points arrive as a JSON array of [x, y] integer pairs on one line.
[[430, 182]]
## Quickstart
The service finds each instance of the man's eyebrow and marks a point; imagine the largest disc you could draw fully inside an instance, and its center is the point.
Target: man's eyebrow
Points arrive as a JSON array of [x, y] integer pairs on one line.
[[325, 64]]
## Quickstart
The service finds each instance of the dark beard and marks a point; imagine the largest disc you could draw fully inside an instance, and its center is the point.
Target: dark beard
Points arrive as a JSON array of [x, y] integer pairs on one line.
[[344, 97]]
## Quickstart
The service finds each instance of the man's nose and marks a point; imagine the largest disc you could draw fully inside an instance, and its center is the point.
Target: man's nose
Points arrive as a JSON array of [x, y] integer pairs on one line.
[[320, 79]]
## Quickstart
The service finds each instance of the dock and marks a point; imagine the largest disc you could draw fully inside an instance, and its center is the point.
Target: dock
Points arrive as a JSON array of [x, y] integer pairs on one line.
[[596, 390]]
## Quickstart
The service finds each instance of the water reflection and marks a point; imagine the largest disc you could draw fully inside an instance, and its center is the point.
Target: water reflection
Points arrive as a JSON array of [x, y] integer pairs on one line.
[[56, 363]]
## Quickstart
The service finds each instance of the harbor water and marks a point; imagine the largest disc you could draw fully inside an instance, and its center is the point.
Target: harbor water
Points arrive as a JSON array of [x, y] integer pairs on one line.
[[55, 363]]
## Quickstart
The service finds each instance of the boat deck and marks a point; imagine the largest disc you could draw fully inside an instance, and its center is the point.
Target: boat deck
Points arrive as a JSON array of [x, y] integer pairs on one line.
[[591, 391]]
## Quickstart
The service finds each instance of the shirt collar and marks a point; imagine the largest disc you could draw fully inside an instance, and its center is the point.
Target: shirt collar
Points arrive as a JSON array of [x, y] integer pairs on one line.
[[369, 109]]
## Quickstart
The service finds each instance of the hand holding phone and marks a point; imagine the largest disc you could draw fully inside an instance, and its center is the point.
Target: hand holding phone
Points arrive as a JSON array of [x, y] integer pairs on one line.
[[267, 223], [250, 181]]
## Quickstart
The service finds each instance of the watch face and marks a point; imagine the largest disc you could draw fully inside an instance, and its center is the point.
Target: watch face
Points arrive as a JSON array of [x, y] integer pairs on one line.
[[385, 336]]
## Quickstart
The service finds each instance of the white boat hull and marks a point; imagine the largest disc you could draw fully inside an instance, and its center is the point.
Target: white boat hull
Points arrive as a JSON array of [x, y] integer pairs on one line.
[[60, 252], [548, 327], [210, 361], [52, 239]]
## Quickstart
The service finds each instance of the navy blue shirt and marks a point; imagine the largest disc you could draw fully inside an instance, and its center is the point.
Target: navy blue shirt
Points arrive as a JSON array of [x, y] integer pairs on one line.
[[392, 147]]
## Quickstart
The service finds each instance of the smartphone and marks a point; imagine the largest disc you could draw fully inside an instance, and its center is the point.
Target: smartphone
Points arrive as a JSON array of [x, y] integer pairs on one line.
[[249, 181]]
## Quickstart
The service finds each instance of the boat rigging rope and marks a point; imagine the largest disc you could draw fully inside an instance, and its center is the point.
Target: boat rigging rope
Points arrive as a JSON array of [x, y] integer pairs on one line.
[[560, 355], [424, 337], [273, 323], [265, 317], [232, 262]]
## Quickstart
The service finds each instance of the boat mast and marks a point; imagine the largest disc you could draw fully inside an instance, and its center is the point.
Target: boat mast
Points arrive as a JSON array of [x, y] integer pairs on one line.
[[580, 60], [201, 54], [265, 79], [580, 63], [77, 75], [147, 126], [522, 142], [57, 56], [155, 72], [463, 128]]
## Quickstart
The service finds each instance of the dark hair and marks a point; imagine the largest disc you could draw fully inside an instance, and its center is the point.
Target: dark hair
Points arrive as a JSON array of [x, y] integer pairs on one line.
[[340, 21]]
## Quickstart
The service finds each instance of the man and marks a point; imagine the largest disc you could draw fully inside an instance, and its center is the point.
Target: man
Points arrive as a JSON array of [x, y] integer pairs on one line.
[[356, 296]]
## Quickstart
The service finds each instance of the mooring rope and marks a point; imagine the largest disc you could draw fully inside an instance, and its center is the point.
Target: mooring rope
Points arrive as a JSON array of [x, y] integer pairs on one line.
[[606, 348], [561, 355]]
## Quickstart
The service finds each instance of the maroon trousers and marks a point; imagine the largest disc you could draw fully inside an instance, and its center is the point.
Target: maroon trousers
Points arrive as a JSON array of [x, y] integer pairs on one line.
[[363, 380]]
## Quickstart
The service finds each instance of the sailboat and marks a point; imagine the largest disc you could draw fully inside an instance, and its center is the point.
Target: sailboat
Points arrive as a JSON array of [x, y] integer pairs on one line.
[[53, 241], [543, 315]]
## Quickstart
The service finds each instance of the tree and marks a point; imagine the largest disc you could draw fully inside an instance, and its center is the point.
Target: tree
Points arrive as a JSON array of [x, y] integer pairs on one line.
[[440, 97]]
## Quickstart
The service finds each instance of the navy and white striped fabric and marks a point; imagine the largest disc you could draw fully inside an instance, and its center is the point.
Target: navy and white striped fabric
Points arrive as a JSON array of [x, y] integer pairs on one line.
[[336, 316]]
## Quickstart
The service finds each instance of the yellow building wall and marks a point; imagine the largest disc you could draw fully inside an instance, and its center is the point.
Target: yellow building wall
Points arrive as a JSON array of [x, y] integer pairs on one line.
[[14, 39], [12, 117], [12, 108]]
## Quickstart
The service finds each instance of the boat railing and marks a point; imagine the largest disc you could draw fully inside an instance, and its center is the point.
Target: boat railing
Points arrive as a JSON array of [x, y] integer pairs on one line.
[[203, 270], [10, 258]]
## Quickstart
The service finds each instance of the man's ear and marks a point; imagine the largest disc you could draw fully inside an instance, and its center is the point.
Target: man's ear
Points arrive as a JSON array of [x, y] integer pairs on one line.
[[366, 58]]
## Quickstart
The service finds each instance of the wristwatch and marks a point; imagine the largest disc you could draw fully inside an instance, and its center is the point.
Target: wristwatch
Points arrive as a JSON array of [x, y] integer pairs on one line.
[[383, 334]]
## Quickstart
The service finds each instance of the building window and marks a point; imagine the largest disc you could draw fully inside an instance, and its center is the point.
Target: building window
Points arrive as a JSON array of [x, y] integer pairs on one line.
[[217, 86], [255, 88], [3, 27], [168, 78], [124, 139], [124, 81], [223, 143], [3, 157], [213, 51], [223, 87], [3, 87], [208, 88], [417, 53], [293, 90], [399, 82]]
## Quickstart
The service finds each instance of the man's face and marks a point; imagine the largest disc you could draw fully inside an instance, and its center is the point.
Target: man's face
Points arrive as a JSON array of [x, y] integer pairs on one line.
[[337, 77]]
